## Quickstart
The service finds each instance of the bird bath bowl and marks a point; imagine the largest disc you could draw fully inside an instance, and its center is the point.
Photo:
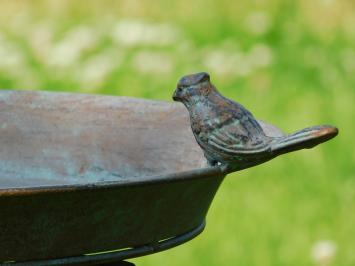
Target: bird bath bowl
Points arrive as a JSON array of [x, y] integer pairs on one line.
[[90, 179], [86, 180]]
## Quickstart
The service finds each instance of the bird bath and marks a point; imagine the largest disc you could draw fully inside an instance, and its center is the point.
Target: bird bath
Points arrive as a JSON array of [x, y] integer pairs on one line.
[[87, 179], [82, 174]]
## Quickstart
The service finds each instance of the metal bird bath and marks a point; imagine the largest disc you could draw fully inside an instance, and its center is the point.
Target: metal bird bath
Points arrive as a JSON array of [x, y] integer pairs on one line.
[[87, 180], [82, 174]]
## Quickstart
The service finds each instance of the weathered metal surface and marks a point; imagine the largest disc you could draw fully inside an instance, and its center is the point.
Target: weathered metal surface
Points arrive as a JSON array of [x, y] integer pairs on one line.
[[230, 135], [115, 256], [55, 138], [56, 224], [82, 174]]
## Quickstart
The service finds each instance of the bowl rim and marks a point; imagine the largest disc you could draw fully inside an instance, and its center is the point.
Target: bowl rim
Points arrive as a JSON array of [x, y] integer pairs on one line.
[[197, 173]]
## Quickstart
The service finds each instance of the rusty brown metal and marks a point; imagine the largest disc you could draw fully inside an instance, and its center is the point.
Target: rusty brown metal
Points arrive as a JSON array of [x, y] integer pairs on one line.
[[82, 174], [228, 133]]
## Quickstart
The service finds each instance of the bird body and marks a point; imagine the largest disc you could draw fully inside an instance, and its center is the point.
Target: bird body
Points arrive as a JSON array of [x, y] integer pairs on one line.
[[229, 134]]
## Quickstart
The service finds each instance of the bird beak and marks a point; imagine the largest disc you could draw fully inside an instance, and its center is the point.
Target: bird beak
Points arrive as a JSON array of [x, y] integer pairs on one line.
[[176, 96]]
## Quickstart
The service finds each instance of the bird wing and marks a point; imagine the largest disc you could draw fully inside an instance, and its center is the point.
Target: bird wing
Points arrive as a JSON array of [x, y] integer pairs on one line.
[[238, 137]]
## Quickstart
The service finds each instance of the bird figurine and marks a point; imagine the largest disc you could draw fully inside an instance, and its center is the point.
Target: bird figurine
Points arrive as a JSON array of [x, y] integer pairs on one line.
[[228, 133]]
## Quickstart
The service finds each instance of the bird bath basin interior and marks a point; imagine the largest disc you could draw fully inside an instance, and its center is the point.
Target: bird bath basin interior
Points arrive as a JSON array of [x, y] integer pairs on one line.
[[81, 174]]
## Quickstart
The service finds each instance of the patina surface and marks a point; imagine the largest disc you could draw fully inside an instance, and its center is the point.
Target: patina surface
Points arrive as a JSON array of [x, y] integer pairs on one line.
[[82, 174], [58, 138], [230, 135]]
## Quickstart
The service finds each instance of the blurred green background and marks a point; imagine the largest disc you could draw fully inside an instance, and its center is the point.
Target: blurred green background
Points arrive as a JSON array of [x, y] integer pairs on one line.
[[291, 63]]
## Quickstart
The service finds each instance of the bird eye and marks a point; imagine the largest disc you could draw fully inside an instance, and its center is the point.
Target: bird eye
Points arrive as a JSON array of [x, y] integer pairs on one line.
[[205, 77]]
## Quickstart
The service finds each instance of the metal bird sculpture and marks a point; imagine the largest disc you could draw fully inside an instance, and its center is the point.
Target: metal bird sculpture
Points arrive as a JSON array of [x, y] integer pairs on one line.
[[228, 133]]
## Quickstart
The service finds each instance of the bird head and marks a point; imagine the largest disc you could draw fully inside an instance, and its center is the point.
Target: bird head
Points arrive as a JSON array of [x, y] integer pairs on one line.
[[192, 85]]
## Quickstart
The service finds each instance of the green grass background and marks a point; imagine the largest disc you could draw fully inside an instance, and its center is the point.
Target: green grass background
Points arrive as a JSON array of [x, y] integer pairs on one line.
[[292, 63]]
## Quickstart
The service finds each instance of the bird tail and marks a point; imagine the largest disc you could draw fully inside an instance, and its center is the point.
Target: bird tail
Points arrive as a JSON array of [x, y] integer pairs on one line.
[[304, 139]]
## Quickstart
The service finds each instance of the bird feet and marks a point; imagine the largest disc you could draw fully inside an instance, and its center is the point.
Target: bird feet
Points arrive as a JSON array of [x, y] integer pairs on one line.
[[213, 163]]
